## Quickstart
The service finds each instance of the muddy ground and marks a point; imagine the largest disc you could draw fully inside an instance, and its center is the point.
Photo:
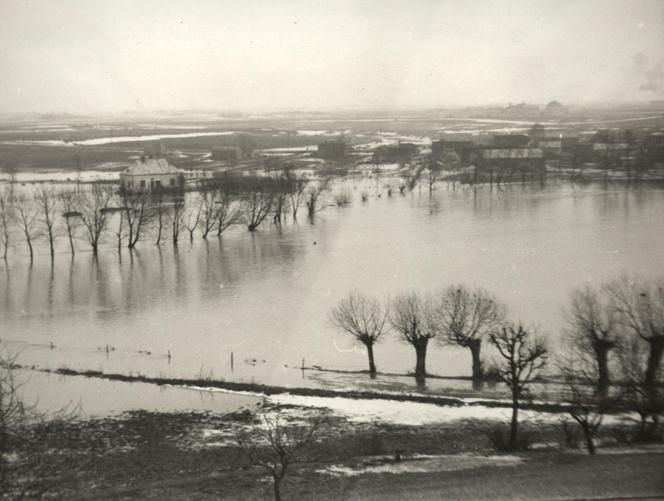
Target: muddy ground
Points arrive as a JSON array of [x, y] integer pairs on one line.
[[145, 455]]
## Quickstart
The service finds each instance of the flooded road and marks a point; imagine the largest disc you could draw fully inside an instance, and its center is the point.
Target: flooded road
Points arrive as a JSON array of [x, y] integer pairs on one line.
[[265, 297]]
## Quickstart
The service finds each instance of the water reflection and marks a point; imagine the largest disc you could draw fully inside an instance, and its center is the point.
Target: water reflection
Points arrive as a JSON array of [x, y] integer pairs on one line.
[[182, 310]]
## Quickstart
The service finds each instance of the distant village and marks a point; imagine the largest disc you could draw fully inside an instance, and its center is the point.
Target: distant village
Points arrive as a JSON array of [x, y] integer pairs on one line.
[[546, 142]]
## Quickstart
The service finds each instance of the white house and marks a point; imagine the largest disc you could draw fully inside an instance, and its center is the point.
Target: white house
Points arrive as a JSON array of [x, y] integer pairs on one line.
[[151, 174]]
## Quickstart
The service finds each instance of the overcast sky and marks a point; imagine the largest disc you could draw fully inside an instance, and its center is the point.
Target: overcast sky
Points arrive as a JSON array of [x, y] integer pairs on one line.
[[100, 56]]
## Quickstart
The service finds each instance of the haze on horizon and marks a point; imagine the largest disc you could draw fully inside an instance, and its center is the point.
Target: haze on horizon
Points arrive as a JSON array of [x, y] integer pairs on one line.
[[106, 56]]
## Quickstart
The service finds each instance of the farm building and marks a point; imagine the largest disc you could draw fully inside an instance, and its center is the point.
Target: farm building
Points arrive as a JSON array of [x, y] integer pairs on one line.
[[513, 158], [466, 150], [151, 174]]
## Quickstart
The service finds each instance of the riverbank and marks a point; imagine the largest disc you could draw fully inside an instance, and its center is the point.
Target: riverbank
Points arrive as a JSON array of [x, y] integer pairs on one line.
[[466, 400]]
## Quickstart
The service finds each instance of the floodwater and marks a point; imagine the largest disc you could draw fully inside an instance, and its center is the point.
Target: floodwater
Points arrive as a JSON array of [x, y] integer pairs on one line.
[[264, 298]]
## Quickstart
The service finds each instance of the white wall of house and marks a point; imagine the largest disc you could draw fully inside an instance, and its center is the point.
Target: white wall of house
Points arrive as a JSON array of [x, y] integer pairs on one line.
[[133, 182]]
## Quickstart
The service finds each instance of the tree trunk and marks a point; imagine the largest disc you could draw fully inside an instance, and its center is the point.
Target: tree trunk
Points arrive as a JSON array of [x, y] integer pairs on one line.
[[29, 242], [590, 443], [475, 346], [277, 490], [654, 360], [372, 365], [603, 381], [602, 348], [71, 240], [514, 425], [420, 362]]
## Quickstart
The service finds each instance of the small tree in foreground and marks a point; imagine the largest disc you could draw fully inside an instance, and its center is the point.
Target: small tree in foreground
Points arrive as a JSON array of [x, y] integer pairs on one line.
[[363, 318], [523, 356], [275, 446], [30, 459], [585, 404], [638, 392]]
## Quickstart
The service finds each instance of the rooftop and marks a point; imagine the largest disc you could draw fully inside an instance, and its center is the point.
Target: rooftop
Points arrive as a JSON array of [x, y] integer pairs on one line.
[[150, 166]]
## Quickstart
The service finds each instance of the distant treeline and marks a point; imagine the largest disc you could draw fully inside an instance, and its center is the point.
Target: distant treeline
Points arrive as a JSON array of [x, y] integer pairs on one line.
[[96, 213]]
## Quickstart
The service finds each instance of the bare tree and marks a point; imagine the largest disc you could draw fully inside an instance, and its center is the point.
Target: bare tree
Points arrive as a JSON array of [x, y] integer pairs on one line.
[[46, 201], [585, 403], [593, 331], [94, 208], [411, 315], [160, 215], [209, 212], [587, 409], [523, 355], [228, 212], [69, 199], [176, 218], [274, 445], [640, 305], [363, 318], [26, 215], [297, 186], [7, 214], [282, 190], [28, 463], [192, 215], [137, 214], [314, 192], [466, 318], [257, 202], [638, 393]]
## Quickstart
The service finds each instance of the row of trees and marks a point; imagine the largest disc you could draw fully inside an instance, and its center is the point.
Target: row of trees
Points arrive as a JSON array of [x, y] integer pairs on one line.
[[86, 212], [618, 326], [454, 315]]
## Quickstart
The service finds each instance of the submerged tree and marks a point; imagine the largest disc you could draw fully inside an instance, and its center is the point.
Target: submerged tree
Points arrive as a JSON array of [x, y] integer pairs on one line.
[[160, 215], [137, 215], [314, 192], [192, 215], [46, 201], [466, 318], [69, 202], [176, 215], [94, 205], [275, 445], [593, 332], [363, 318], [209, 212], [523, 355], [26, 215], [257, 201], [411, 315], [228, 212], [7, 212], [296, 186]]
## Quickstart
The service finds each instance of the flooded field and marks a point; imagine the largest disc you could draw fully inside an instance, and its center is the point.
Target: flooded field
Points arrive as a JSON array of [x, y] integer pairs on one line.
[[264, 298]]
